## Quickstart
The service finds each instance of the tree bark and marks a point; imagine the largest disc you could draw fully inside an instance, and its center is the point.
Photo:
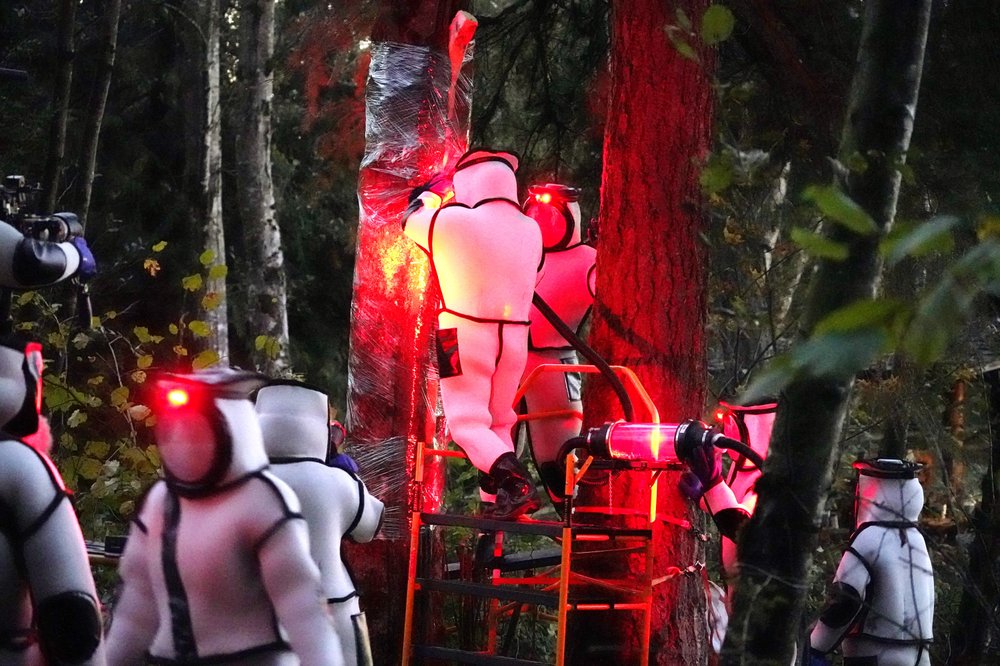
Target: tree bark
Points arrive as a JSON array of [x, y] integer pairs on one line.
[[95, 111], [649, 313], [976, 618], [408, 138], [777, 545], [198, 30], [60, 105], [266, 300]]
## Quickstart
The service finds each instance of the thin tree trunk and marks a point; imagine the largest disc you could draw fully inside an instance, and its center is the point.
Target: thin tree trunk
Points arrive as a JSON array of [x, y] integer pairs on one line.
[[198, 29], [977, 616], [649, 314], [266, 300], [95, 111], [60, 105], [778, 542], [408, 137]]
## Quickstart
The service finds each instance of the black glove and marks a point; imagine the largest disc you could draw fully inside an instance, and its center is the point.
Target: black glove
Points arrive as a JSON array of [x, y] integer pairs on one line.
[[694, 447]]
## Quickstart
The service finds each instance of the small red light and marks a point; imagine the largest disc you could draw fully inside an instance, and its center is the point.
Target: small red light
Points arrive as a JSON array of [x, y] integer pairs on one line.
[[544, 198], [720, 415], [178, 397]]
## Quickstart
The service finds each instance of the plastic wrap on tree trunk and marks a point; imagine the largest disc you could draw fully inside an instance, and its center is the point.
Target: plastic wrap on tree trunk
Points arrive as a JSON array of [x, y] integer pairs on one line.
[[410, 135]]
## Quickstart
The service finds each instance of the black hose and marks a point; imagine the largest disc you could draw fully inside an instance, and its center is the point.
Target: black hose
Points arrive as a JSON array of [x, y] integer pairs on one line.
[[723, 442], [588, 353]]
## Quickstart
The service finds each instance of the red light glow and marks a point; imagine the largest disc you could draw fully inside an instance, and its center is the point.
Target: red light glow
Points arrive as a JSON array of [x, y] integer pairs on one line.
[[178, 397], [544, 198], [720, 415]]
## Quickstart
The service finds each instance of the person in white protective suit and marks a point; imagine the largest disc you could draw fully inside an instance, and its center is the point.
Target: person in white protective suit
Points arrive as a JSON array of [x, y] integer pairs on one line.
[[567, 287], [216, 569], [881, 607], [49, 610], [731, 498], [485, 255], [294, 419]]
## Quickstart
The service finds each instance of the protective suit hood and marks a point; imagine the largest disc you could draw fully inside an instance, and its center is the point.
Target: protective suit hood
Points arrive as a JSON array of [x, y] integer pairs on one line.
[[556, 209], [888, 491], [294, 420], [207, 430], [485, 174]]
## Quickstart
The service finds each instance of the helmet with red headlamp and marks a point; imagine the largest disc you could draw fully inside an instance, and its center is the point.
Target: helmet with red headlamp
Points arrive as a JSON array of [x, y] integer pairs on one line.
[[206, 429], [556, 209]]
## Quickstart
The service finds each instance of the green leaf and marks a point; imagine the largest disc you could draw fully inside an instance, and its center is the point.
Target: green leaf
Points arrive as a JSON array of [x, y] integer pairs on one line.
[[717, 24], [174, 330], [819, 246], [840, 208], [937, 319], [205, 359], [76, 418], [192, 282], [259, 342], [682, 19], [682, 47], [97, 448], [144, 361], [866, 314], [218, 272], [206, 257], [716, 175], [160, 246], [211, 300], [141, 333], [89, 468], [26, 297], [922, 239]]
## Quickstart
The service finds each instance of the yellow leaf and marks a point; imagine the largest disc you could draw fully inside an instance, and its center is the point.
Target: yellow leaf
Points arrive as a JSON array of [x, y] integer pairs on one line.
[[211, 300], [205, 359], [110, 314], [159, 246], [218, 271], [259, 342], [180, 350], [126, 507], [173, 329], [25, 298], [200, 328], [192, 282], [151, 266], [96, 380], [144, 361], [141, 333], [206, 257], [119, 396], [138, 377]]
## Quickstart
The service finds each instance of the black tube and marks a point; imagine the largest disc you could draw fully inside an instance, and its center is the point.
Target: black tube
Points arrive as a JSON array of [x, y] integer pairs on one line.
[[588, 353]]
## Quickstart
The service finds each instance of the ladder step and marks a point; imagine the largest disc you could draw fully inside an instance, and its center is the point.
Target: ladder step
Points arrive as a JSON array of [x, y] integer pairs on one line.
[[466, 657], [505, 593], [540, 527]]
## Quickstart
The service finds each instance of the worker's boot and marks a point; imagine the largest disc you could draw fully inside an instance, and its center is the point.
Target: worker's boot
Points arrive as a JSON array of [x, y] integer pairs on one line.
[[516, 494], [553, 477]]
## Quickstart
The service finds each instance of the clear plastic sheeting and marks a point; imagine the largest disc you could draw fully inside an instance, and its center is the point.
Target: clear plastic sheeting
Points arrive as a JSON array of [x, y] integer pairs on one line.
[[416, 126]]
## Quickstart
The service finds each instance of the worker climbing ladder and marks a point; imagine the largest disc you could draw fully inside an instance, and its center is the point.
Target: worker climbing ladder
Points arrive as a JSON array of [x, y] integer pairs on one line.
[[512, 583]]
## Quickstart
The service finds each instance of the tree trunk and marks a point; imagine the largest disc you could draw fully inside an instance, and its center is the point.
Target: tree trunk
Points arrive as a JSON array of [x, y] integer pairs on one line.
[[198, 31], [408, 137], [266, 299], [60, 105], [95, 110], [777, 544], [977, 619], [649, 313]]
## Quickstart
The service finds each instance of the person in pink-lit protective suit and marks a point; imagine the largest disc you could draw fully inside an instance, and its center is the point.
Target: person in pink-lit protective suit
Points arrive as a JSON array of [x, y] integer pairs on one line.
[[485, 255], [217, 568], [881, 606], [567, 287], [729, 499], [301, 444], [49, 610]]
